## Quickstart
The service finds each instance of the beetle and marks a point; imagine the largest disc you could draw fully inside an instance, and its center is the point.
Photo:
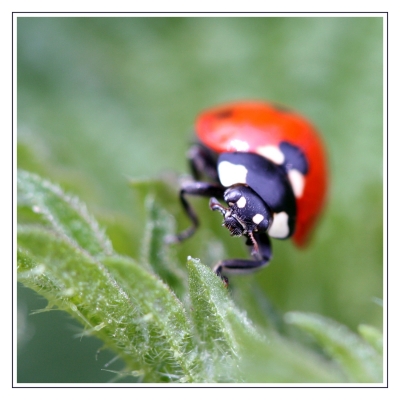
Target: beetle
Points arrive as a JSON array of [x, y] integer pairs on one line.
[[268, 164]]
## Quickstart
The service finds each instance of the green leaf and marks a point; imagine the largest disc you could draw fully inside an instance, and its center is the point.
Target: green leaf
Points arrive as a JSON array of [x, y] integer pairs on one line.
[[61, 254], [73, 281], [158, 255], [271, 358], [63, 213], [168, 331], [360, 361], [373, 336], [211, 307], [235, 350], [133, 312]]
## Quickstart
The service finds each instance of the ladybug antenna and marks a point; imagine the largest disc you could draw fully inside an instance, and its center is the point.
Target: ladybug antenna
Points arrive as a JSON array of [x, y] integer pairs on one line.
[[216, 206]]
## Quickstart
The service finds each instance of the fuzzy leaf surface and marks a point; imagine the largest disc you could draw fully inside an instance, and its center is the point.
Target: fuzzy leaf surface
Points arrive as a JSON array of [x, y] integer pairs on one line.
[[358, 359], [63, 213]]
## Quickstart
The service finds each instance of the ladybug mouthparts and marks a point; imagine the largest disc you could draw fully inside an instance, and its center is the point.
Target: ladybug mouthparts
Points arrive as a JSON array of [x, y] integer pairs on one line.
[[234, 225]]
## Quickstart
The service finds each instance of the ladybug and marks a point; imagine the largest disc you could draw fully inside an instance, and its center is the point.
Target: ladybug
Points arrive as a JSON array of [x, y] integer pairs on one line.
[[268, 164]]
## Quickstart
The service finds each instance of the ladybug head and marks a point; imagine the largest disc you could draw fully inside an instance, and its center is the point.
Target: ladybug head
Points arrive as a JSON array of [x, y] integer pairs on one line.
[[246, 212]]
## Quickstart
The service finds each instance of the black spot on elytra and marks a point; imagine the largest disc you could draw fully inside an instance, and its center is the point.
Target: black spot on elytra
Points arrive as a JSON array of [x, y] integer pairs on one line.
[[228, 112], [294, 157]]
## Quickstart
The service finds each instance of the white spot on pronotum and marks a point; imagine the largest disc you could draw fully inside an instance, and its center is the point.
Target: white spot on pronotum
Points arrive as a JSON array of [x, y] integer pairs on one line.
[[272, 153], [280, 227], [241, 202], [229, 173], [297, 181], [36, 209], [258, 218]]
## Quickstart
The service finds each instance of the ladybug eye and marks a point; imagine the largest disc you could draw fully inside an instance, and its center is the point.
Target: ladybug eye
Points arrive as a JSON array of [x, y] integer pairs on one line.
[[232, 195]]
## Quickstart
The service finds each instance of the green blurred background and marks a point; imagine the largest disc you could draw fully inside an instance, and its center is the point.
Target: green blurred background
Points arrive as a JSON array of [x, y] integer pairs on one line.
[[103, 100]]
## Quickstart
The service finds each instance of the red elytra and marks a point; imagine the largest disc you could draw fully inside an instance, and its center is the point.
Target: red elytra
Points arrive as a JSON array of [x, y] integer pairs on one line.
[[247, 126]]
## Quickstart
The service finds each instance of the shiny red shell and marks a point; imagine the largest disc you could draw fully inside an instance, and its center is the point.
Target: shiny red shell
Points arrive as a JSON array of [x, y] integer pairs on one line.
[[247, 126]]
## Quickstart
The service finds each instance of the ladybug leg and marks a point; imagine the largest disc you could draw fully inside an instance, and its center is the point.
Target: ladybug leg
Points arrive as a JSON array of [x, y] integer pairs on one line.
[[202, 162], [196, 189], [261, 253]]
